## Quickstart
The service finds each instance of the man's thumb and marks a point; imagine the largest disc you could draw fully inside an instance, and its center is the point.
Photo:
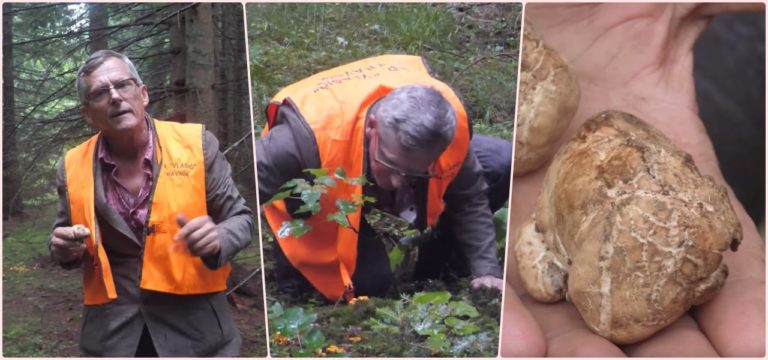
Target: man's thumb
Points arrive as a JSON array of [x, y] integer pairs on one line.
[[181, 219]]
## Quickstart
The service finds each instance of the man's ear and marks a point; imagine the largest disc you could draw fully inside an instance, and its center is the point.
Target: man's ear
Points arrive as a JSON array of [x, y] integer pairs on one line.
[[370, 125], [144, 94]]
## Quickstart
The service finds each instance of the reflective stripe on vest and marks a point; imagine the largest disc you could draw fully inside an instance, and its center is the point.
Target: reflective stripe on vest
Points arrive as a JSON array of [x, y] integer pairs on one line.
[[178, 189], [334, 104]]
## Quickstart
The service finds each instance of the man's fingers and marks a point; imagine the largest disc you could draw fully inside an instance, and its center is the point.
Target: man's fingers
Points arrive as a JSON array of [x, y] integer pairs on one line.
[[683, 338], [566, 334], [190, 227], [520, 333], [58, 242], [487, 281], [734, 321], [71, 233], [199, 245], [206, 246], [198, 231], [66, 250]]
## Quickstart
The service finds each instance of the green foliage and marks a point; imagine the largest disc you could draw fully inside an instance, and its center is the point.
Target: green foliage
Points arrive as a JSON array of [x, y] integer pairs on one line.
[[310, 193], [293, 332], [427, 323], [500, 223], [432, 325]]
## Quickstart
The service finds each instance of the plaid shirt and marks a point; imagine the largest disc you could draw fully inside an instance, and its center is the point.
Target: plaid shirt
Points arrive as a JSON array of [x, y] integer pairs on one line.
[[133, 209]]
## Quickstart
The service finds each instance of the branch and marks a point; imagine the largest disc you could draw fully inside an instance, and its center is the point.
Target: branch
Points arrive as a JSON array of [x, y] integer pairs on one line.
[[462, 71], [236, 143], [77, 32]]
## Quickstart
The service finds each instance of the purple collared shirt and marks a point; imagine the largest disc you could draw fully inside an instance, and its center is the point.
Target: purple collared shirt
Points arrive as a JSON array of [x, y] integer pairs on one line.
[[132, 208]]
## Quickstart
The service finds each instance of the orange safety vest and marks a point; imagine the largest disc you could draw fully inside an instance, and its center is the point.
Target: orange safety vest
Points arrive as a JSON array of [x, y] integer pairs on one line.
[[179, 188], [334, 104]]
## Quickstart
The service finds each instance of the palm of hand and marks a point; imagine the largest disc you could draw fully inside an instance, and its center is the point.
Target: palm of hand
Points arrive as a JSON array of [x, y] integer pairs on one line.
[[638, 59]]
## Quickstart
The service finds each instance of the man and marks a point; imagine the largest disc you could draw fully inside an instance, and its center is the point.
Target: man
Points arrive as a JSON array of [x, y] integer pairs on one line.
[[163, 219], [388, 119]]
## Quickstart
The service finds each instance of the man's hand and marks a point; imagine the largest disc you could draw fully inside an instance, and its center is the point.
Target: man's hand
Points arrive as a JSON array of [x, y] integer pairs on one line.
[[67, 243], [487, 281], [199, 234], [638, 58]]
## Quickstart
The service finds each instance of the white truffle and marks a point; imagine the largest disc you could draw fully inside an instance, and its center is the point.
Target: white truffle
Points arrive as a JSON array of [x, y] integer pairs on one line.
[[549, 96], [627, 230]]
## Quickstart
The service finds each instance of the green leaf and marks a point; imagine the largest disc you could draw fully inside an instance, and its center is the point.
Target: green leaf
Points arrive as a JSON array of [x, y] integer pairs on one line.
[[460, 308], [428, 327], [317, 172], [388, 315], [295, 228], [461, 327], [293, 183], [346, 207], [340, 174], [276, 309], [438, 343], [297, 319], [396, 257], [360, 180], [326, 181], [379, 326], [314, 208], [500, 224], [339, 219], [310, 196], [410, 232], [369, 199], [279, 196], [313, 340], [433, 297], [301, 187]]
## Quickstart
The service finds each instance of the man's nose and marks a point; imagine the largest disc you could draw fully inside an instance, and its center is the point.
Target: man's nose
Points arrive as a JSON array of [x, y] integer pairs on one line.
[[114, 94]]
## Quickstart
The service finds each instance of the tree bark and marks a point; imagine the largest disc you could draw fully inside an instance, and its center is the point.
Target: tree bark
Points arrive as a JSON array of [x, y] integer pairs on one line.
[[178, 86], [201, 66], [12, 201], [98, 19]]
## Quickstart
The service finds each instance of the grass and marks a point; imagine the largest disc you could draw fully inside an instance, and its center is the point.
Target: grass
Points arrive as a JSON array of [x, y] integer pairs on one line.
[[41, 315]]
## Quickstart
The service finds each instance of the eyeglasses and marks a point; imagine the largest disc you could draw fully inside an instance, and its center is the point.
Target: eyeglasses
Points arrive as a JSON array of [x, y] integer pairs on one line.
[[124, 88], [406, 174]]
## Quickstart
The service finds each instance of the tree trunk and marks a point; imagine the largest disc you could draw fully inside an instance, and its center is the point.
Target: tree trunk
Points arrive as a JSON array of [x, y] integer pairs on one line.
[[201, 66], [178, 68], [225, 96], [97, 36], [12, 201]]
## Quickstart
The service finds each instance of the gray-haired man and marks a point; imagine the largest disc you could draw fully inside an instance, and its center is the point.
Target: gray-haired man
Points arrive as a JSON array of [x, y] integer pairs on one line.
[[388, 119], [149, 210]]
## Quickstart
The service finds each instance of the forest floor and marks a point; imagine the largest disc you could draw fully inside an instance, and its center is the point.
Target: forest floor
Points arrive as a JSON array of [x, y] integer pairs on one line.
[[42, 302]]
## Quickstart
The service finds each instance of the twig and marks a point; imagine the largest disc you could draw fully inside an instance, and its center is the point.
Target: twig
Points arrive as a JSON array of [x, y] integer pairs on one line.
[[462, 71], [236, 143], [258, 269]]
